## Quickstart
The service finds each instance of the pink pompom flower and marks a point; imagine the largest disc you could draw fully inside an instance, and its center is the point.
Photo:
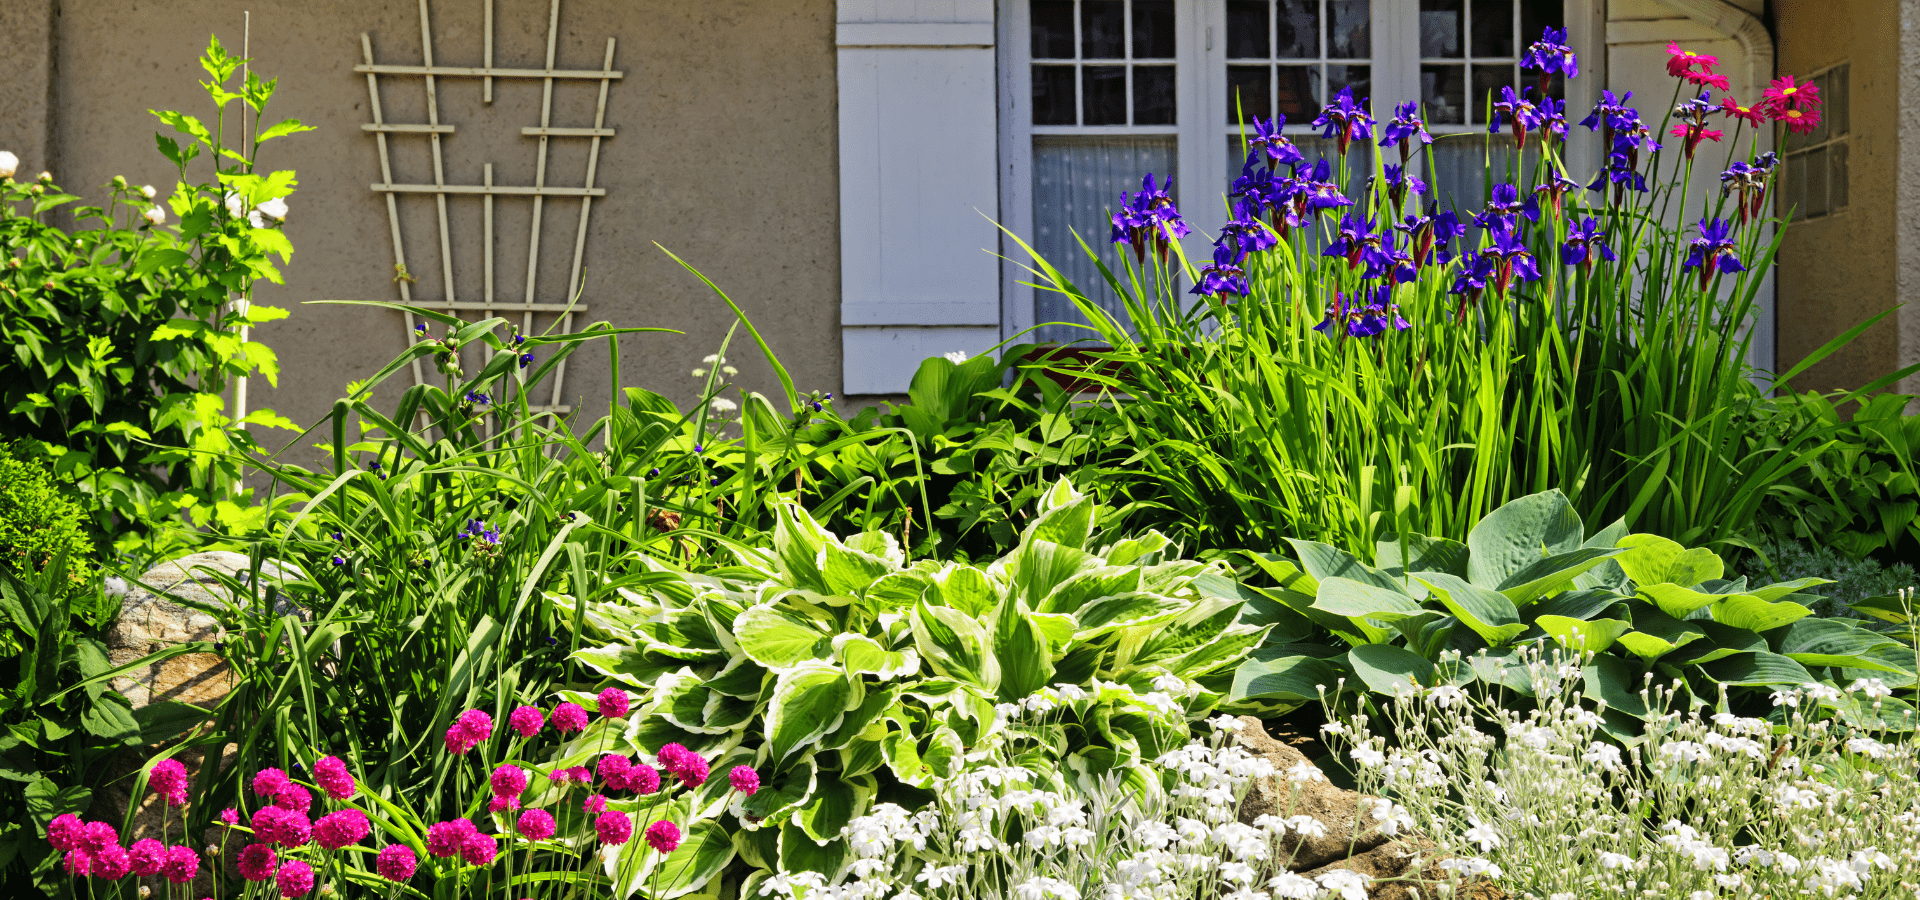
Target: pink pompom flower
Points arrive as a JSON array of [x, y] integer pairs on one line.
[[182, 864], [613, 828], [294, 798], [444, 839], [581, 775], [643, 779], [663, 836], [269, 782], [65, 832], [478, 849], [230, 817], [672, 757], [98, 836], [79, 863], [569, 718], [257, 862], [295, 829], [294, 879], [331, 774], [536, 824], [744, 779], [503, 804], [613, 770], [345, 828], [508, 781], [525, 720], [595, 804], [168, 778], [147, 858], [111, 863], [396, 862], [613, 703], [469, 731], [693, 771]]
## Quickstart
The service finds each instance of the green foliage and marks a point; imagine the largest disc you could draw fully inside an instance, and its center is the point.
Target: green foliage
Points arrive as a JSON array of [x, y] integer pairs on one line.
[[123, 335], [1431, 612], [1853, 580], [1860, 495], [848, 676], [39, 523]]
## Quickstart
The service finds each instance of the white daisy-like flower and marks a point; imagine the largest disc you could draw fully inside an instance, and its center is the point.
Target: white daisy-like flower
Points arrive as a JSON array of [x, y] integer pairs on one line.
[[955, 356]]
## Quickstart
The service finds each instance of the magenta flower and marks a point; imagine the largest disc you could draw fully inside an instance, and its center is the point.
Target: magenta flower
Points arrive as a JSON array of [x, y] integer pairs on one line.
[[295, 879], [257, 862], [294, 798], [111, 863], [536, 824], [445, 838], [182, 864], [595, 804], [663, 836], [469, 731], [79, 863], [340, 829], [168, 778], [613, 771], [147, 858], [396, 862], [744, 779], [526, 720], [580, 775], [505, 803], [269, 782], [671, 757], [65, 832], [508, 781], [613, 828], [479, 849], [295, 829], [693, 771], [98, 837], [230, 816], [331, 774], [569, 718], [613, 703], [643, 779]]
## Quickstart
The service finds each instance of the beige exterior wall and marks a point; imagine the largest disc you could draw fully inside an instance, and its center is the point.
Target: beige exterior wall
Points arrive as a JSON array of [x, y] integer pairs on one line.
[[1838, 270], [726, 154]]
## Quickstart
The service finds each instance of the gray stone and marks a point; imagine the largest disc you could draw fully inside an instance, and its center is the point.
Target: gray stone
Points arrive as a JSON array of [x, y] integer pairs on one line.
[[1336, 809], [153, 618]]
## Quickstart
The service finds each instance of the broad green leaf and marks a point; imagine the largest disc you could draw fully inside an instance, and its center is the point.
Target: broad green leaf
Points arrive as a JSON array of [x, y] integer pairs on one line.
[[798, 542], [1301, 678], [1323, 562], [1489, 613], [623, 662], [1757, 669], [1610, 678], [780, 639], [850, 572], [1887, 608], [954, 645], [1777, 590], [800, 853], [1754, 614], [1420, 553], [1342, 596], [780, 794], [807, 702], [863, 655], [1387, 669], [1026, 661], [1722, 641], [1106, 581], [1651, 559], [1125, 610], [1834, 642], [1068, 524], [1656, 634], [964, 588], [110, 716], [1579, 604], [1676, 601], [897, 590], [1040, 566], [832, 806], [902, 753], [704, 852], [1594, 636], [1552, 574], [1519, 534]]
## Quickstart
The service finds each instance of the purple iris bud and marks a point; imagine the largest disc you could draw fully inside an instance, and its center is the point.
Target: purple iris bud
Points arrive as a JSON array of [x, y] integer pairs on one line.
[[1343, 120], [339, 560], [1713, 251], [1582, 241], [478, 398], [654, 474], [1555, 189], [698, 448], [526, 359], [1405, 127]]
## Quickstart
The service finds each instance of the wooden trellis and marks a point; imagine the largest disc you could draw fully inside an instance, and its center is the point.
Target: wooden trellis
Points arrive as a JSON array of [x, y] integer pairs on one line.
[[434, 130]]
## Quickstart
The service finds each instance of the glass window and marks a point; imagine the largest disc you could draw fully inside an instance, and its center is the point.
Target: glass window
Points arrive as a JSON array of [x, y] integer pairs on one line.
[[1103, 62], [1816, 176], [1288, 56]]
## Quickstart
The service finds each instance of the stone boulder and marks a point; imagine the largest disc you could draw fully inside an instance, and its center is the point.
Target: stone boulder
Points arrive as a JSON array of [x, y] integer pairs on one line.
[[152, 618]]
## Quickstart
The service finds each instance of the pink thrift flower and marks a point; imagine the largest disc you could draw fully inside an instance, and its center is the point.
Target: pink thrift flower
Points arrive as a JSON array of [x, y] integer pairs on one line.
[[331, 774], [581, 775], [469, 731], [266, 824], [672, 757], [643, 779], [693, 771], [663, 836], [613, 703], [744, 779], [479, 849], [147, 858], [230, 816], [111, 863], [98, 836], [445, 838], [536, 824], [526, 720], [396, 862], [341, 829], [294, 798], [595, 804], [613, 828], [503, 804], [508, 781], [569, 718], [295, 879], [268, 782], [168, 778], [182, 864], [65, 832], [613, 770], [257, 862], [295, 829], [79, 863]]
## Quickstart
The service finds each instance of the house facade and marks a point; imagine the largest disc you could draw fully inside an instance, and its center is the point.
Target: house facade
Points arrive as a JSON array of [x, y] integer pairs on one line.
[[844, 170]]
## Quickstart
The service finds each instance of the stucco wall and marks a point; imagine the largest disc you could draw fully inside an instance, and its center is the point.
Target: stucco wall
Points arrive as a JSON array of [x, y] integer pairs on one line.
[[725, 154], [1838, 270]]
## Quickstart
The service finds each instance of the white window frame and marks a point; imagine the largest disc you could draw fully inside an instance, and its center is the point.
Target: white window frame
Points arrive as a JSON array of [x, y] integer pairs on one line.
[[1200, 89]]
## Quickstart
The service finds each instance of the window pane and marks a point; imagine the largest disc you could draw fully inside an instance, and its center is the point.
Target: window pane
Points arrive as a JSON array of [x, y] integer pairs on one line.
[[1298, 29], [1536, 16], [1247, 36], [1835, 95], [1103, 29], [1052, 29], [1837, 176], [1152, 29], [1053, 102], [1487, 82], [1360, 78], [1299, 97], [1104, 91], [1349, 29], [1817, 204], [1793, 197], [1440, 24], [1493, 28], [1247, 92], [1443, 90], [1153, 95], [1076, 184]]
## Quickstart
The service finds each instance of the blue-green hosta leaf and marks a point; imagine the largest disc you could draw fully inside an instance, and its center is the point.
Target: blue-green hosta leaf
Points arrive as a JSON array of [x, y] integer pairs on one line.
[[1607, 575], [1889, 714], [1387, 669], [964, 588], [1722, 641], [955, 645], [863, 655], [1676, 601], [1754, 614], [1342, 596], [780, 639], [1897, 656], [1834, 642], [1071, 595], [704, 852], [1887, 608], [1614, 680], [1420, 553], [798, 542], [1505, 668], [1301, 678], [1652, 559], [1757, 669], [1125, 610], [1321, 562], [807, 702], [1489, 613], [1552, 574], [625, 663], [1594, 636], [1519, 534], [1577, 604]]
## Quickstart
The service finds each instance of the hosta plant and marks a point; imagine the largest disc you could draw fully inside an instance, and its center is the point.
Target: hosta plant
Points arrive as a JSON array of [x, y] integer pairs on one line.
[[850, 676], [1430, 611]]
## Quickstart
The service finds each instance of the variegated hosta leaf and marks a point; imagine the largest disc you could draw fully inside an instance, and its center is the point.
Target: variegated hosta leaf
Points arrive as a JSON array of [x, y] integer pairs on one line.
[[849, 572], [863, 655], [626, 663], [808, 701], [1144, 550], [704, 852], [1073, 594], [879, 544], [779, 795], [955, 645], [780, 639], [1125, 610], [837, 802]]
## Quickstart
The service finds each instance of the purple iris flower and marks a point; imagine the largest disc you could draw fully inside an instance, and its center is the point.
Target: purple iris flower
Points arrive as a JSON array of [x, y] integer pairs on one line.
[[1149, 219], [1344, 121], [1713, 251], [1475, 269], [1355, 236], [1403, 128], [1551, 54], [1322, 194], [1555, 189], [1505, 206], [1620, 173], [1553, 118], [1419, 232], [1245, 230], [1510, 258], [1582, 240], [1399, 181], [1612, 111], [1446, 227], [1515, 106], [1255, 183], [1223, 276], [1269, 142], [1364, 313]]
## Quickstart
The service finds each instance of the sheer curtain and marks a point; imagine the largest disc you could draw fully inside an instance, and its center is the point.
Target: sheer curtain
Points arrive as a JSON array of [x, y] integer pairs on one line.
[[1077, 182]]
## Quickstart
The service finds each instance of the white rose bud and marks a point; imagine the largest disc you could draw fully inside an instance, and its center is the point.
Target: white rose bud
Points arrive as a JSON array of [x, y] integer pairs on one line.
[[147, 191], [275, 209], [9, 164], [46, 177], [154, 215]]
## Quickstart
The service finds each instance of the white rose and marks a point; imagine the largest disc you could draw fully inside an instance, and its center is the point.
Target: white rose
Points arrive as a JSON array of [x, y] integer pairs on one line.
[[275, 209], [154, 215], [9, 164], [147, 191]]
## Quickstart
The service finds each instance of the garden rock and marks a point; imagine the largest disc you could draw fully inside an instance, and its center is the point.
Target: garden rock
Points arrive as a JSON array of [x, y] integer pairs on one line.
[[152, 619], [1391, 868], [1336, 809]]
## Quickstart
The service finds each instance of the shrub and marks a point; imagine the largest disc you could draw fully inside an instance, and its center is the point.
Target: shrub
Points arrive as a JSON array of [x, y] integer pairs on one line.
[[39, 522], [1852, 580], [1861, 494]]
